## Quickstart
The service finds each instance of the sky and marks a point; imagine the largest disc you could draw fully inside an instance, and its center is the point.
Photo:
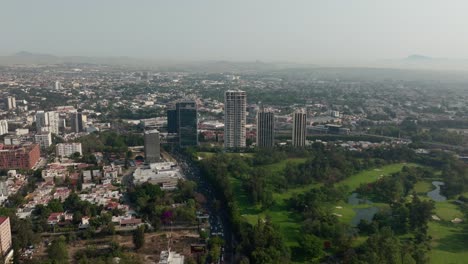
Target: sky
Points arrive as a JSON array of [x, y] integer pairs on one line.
[[303, 31]]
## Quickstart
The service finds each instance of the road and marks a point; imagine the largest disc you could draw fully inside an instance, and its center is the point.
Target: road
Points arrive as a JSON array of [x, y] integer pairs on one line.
[[219, 218]]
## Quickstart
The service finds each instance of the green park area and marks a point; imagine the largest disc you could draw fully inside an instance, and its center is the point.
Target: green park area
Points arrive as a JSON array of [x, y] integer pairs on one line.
[[448, 239], [447, 245], [289, 222]]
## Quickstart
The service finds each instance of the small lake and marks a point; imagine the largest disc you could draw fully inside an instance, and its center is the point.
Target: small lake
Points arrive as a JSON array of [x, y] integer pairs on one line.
[[364, 214], [353, 199], [435, 194], [361, 213]]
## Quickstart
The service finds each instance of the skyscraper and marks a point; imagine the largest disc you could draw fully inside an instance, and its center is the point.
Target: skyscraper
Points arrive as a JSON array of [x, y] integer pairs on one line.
[[10, 102], [299, 129], [3, 127], [152, 146], [172, 121], [54, 122], [58, 85], [77, 122], [47, 121], [42, 121], [187, 123], [265, 129], [235, 102]]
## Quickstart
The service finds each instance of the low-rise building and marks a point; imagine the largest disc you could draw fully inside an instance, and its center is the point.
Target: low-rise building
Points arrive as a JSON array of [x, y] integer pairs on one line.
[[44, 139], [67, 149], [164, 174], [59, 217]]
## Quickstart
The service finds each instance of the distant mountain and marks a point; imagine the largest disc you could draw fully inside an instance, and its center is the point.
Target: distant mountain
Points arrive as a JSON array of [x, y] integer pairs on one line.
[[29, 58], [25, 57], [423, 62], [417, 57]]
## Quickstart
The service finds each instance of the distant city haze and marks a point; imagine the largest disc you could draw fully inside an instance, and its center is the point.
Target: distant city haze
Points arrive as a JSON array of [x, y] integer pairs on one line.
[[304, 31]]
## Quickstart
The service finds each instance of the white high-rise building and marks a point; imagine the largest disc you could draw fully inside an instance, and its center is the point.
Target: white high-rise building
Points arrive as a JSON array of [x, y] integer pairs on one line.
[[235, 102], [67, 149], [10, 102], [58, 85], [42, 120], [47, 121], [3, 127], [54, 122], [299, 129]]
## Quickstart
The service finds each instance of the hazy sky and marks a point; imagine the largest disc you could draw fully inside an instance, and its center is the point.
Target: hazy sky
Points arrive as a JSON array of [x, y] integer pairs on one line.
[[269, 30]]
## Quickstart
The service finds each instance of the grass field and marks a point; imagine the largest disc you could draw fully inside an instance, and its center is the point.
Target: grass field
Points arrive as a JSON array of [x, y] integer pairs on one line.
[[448, 239], [204, 155], [289, 223], [372, 175], [279, 166], [448, 243]]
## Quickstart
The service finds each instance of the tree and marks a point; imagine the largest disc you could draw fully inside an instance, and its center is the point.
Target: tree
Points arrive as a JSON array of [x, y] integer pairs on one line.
[[139, 237], [57, 251], [55, 205], [109, 229], [312, 246]]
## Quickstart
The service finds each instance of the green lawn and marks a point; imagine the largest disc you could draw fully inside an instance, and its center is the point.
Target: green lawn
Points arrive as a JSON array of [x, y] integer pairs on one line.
[[448, 243], [423, 187], [448, 239], [204, 155], [372, 175], [448, 246], [447, 210], [288, 222], [278, 167]]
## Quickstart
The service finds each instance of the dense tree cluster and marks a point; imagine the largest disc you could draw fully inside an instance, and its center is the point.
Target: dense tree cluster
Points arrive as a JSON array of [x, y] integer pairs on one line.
[[393, 188], [110, 142], [155, 205], [262, 243], [323, 236]]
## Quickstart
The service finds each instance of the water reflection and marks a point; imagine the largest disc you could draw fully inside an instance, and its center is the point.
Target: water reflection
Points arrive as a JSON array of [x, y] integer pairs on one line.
[[435, 194]]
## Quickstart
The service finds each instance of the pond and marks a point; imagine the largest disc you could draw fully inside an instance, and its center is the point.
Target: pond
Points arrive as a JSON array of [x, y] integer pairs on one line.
[[435, 194], [364, 214], [361, 213]]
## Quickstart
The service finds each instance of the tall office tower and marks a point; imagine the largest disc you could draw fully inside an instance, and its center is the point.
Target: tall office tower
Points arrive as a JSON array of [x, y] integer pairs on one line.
[[172, 121], [5, 238], [187, 123], [42, 121], [58, 85], [152, 146], [265, 129], [10, 102], [299, 129], [235, 102], [3, 127], [77, 122], [54, 122]]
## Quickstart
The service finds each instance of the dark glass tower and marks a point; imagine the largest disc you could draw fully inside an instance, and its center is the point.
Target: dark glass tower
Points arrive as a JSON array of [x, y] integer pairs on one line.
[[187, 123], [77, 122], [172, 121]]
